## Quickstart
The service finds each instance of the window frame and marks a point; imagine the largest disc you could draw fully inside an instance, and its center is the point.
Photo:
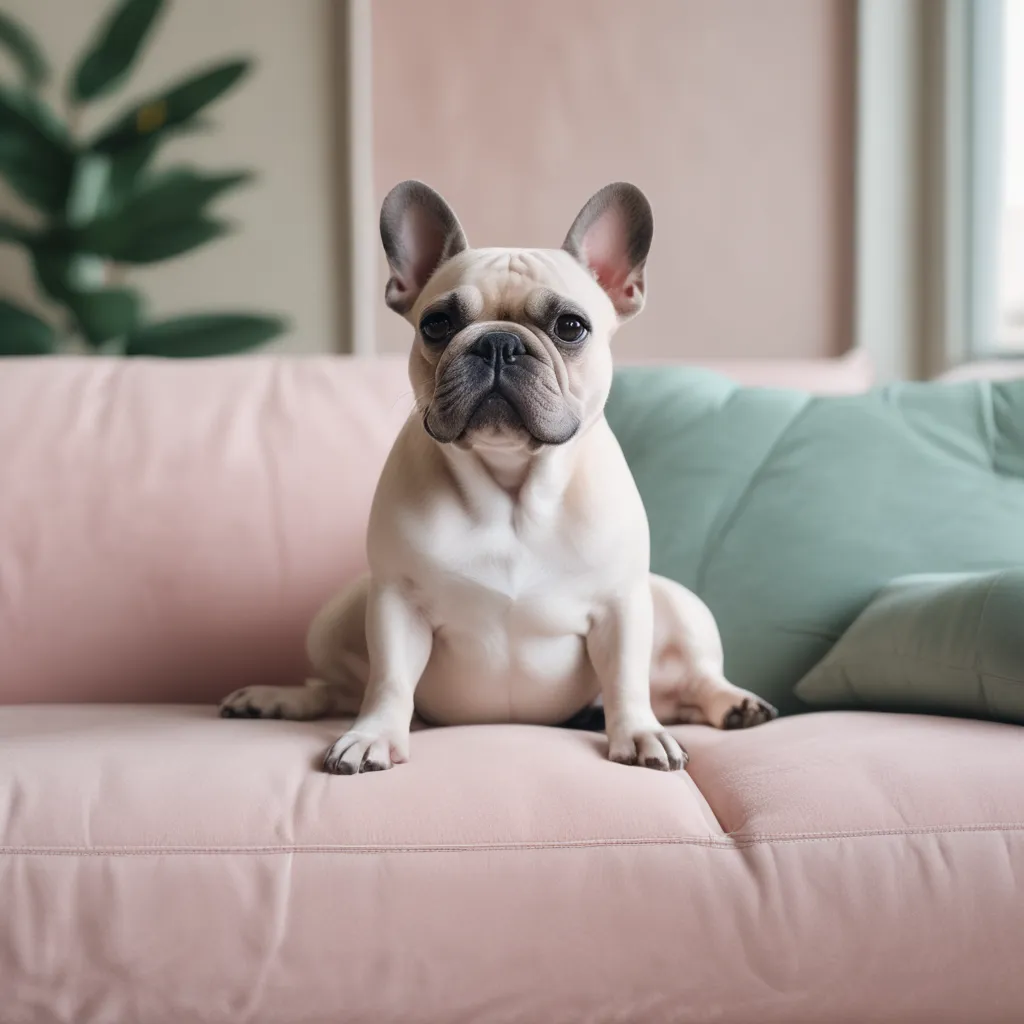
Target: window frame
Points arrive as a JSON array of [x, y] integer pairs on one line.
[[929, 170]]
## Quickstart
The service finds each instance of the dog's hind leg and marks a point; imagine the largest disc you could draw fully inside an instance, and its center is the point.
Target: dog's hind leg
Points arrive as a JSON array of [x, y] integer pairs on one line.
[[688, 684], [336, 645]]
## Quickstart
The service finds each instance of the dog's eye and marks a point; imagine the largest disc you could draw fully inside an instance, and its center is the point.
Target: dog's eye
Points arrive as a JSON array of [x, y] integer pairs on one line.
[[436, 327], [570, 328]]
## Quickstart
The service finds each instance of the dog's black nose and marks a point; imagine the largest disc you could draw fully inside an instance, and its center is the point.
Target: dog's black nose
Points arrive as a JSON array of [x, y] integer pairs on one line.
[[499, 347]]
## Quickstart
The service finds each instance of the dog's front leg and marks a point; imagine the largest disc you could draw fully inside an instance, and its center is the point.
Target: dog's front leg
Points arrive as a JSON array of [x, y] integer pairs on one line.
[[619, 645], [398, 641]]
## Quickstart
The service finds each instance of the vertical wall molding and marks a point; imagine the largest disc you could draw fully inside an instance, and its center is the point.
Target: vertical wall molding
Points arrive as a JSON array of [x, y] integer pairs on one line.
[[889, 277], [944, 190], [983, 89], [357, 211]]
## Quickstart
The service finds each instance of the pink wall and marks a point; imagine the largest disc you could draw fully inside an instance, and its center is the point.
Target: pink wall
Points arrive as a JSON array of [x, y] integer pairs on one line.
[[735, 116]]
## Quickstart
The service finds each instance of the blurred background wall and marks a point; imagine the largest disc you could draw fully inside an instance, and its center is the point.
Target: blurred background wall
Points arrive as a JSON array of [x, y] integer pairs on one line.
[[735, 116]]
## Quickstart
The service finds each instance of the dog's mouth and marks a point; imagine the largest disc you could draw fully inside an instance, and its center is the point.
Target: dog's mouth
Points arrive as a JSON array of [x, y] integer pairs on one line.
[[495, 413], [520, 401]]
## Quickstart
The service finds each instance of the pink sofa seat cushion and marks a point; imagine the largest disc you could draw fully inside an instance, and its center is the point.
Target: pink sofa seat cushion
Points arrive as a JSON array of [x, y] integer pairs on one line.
[[159, 776], [154, 777], [852, 773], [160, 865]]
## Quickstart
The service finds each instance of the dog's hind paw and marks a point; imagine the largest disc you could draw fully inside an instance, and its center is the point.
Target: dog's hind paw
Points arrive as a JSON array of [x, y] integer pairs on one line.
[[299, 703], [749, 712]]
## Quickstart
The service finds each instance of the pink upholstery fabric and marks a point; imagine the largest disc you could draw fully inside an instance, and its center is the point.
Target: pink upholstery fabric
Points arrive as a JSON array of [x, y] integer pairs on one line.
[[161, 865], [167, 530]]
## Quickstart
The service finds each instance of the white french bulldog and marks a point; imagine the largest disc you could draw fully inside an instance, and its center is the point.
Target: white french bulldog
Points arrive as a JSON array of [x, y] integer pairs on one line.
[[508, 546]]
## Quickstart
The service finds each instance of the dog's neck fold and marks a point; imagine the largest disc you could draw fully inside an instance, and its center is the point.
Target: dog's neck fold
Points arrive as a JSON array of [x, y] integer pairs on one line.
[[531, 480]]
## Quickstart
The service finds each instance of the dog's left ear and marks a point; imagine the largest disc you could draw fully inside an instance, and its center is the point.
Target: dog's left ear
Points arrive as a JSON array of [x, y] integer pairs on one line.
[[420, 232], [611, 237]]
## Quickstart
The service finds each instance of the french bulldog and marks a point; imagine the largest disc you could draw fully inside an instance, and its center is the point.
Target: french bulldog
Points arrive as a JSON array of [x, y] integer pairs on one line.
[[508, 546]]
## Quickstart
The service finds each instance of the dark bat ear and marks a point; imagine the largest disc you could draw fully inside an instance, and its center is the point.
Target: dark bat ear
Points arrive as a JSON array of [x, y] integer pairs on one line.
[[611, 237], [419, 232]]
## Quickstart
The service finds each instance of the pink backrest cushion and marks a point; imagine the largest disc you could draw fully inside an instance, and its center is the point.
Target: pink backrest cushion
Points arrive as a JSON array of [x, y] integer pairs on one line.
[[167, 529]]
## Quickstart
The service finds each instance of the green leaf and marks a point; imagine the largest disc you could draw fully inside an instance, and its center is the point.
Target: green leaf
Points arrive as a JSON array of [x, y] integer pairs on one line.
[[135, 244], [88, 190], [37, 109], [128, 164], [107, 313], [36, 156], [164, 217], [52, 273], [212, 334], [11, 232], [171, 109], [14, 38], [115, 48], [174, 195], [63, 273], [23, 334]]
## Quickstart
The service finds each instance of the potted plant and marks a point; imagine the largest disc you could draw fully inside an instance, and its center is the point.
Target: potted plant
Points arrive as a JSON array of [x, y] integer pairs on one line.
[[101, 206]]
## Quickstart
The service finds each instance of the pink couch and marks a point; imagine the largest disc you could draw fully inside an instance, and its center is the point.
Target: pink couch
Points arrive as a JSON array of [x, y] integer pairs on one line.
[[166, 531]]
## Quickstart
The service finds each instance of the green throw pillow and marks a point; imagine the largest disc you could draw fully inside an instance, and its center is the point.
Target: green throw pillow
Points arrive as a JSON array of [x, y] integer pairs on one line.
[[950, 643], [788, 513]]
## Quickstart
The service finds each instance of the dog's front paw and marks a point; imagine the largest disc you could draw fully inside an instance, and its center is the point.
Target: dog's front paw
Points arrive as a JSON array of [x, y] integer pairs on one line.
[[366, 748], [747, 712], [649, 748]]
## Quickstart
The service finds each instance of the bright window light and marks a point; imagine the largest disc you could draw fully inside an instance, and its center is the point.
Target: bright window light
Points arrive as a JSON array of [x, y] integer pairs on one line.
[[1010, 320]]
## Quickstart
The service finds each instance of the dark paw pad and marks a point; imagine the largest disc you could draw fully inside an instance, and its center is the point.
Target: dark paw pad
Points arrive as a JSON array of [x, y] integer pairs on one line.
[[373, 766], [246, 711], [335, 766], [749, 713]]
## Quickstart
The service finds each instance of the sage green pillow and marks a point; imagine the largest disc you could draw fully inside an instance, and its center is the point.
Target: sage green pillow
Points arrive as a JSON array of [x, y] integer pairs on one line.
[[787, 513], [950, 643]]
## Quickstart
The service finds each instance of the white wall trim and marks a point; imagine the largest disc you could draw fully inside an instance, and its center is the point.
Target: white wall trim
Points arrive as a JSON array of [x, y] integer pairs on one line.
[[889, 277], [984, 91], [358, 291]]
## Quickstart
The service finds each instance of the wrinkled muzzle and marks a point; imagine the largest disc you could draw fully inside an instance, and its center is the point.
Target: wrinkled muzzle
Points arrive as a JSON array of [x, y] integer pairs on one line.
[[495, 382]]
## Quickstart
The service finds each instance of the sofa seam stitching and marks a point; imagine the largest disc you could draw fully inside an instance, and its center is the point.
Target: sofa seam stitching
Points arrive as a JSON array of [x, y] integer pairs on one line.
[[737, 840]]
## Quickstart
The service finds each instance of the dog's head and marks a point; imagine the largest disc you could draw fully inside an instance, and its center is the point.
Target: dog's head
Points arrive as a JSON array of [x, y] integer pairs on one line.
[[512, 345]]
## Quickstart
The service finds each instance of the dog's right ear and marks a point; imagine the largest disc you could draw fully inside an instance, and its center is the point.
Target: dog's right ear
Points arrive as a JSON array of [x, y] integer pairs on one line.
[[419, 232]]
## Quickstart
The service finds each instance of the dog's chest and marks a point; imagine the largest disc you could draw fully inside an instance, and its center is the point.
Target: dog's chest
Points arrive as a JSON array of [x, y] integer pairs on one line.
[[496, 576]]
